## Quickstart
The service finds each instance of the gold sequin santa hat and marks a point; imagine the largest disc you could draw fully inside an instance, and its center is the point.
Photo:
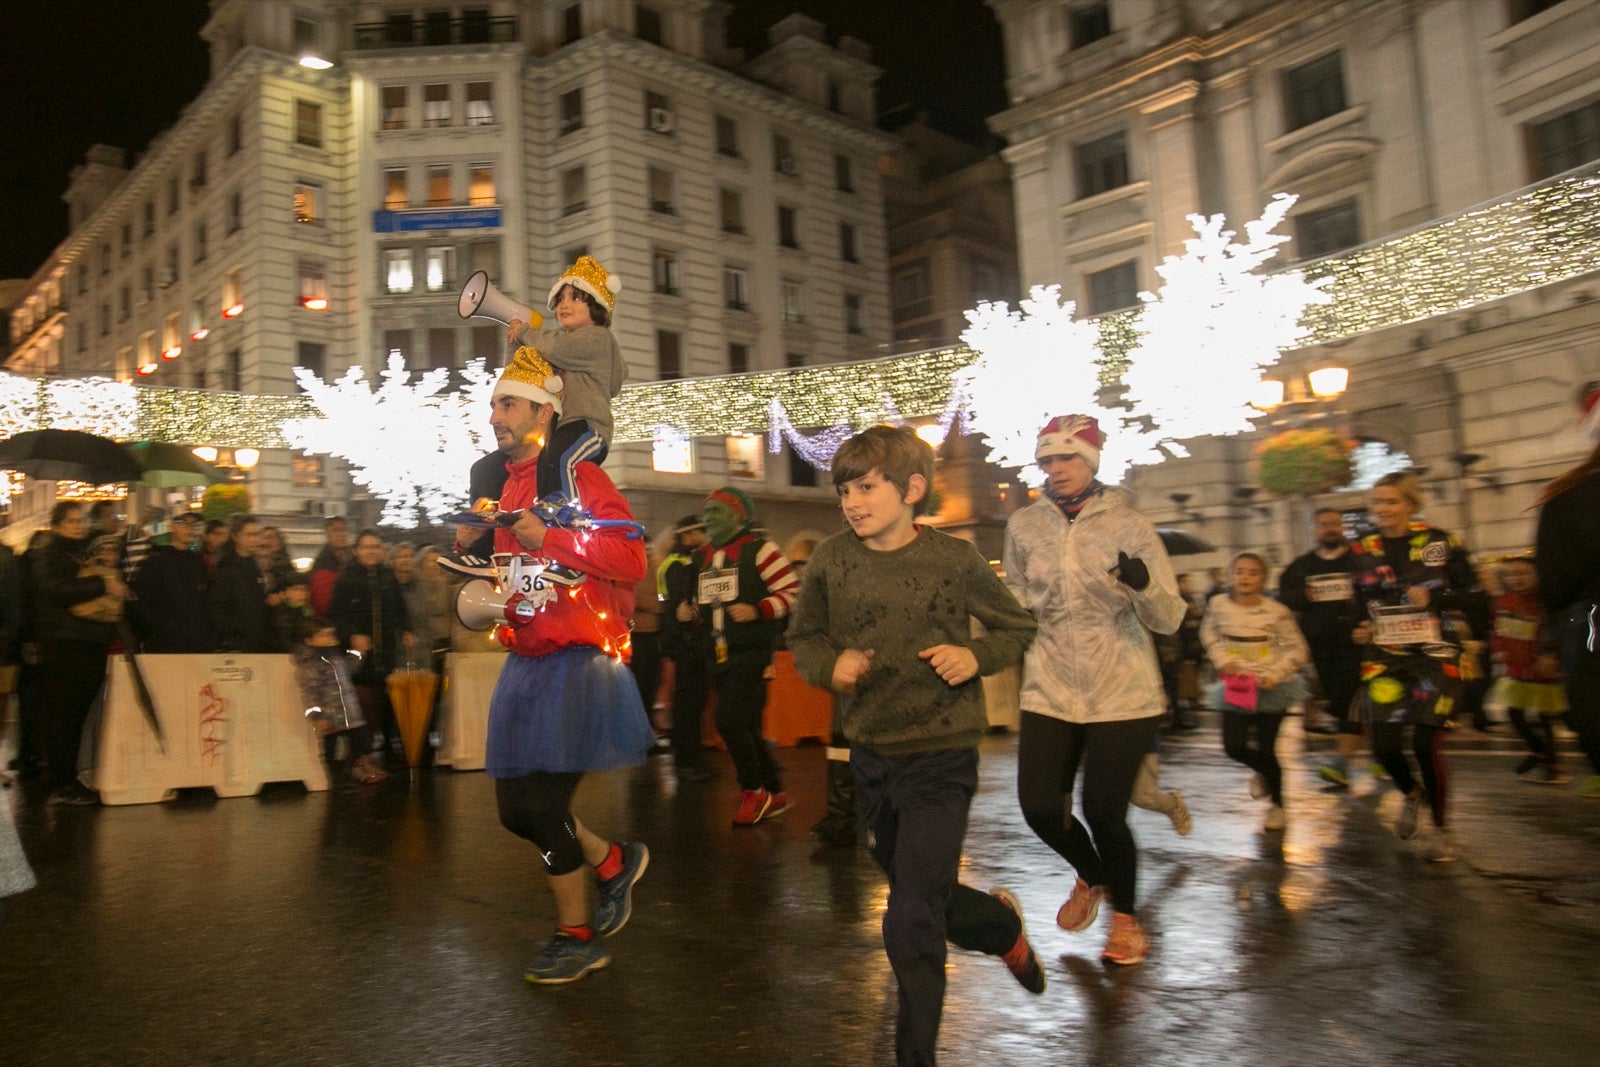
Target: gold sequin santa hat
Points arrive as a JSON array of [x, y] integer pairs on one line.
[[587, 274], [530, 376]]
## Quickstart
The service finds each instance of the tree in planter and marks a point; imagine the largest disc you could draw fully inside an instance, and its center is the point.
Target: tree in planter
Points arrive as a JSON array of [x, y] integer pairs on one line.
[[223, 500], [1304, 462]]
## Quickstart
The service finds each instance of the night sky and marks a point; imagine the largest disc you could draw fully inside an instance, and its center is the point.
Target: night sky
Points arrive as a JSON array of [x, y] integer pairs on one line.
[[118, 72]]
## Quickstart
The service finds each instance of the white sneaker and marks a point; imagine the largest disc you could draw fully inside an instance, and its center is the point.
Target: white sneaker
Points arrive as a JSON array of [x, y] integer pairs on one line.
[[1442, 847], [1179, 814], [1276, 819], [1405, 827], [1258, 787]]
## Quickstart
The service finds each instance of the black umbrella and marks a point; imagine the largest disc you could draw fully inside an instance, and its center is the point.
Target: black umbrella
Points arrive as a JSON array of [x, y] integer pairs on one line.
[[1183, 543], [68, 455], [167, 465]]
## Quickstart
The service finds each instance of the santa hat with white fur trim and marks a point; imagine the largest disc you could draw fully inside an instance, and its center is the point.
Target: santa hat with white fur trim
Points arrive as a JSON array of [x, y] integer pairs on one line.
[[588, 275], [1072, 435], [530, 376]]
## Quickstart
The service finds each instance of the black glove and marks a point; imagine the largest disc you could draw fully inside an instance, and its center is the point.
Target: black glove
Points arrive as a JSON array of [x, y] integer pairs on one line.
[[1132, 572]]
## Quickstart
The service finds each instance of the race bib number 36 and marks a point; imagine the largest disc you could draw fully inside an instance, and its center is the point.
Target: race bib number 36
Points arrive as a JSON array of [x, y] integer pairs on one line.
[[719, 587]]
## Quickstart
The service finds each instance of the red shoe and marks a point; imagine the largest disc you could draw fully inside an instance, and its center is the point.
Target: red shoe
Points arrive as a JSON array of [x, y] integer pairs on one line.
[[753, 805], [780, 804], [1127, 944]]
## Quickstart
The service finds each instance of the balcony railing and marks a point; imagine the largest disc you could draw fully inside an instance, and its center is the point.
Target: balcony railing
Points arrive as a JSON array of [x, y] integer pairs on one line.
[[434, 32]]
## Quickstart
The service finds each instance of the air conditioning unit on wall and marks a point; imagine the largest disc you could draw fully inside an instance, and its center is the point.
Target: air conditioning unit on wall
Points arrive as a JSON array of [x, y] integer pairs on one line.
[[660, 120], [788, 166]]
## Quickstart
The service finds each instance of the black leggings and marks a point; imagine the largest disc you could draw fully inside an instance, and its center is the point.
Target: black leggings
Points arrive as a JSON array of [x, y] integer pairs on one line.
[[538, 807], [1048, 755], [1388, 742], [1263, 758], [1536, 732]]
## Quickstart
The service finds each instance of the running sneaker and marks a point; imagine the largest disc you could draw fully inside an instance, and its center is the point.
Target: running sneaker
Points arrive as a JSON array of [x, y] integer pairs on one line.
[[1127, 944], [614, 896], [1590, 789], [1527, 763], [1276, 819], [1179, 814], [1020, 959], [566, 959], [1551, 775], [1405, 827], [1258, 787], [1079, 912], [1379, 772], [1442, 847], [753, 804], [469, 565], [778, 804], [1336, 773]]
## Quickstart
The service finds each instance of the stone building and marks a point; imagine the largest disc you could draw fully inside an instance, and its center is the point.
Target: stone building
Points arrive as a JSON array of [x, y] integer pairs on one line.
[[1386, 118]]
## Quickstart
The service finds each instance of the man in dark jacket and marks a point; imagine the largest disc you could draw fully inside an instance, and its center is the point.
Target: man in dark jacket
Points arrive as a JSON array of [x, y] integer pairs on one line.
[[1318, 588], [238, 596], [170, 609], [369, 610], [676, 581]]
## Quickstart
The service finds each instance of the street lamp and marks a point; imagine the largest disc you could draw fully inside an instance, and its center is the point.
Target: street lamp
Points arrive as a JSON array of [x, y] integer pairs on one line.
[[1319, 386]]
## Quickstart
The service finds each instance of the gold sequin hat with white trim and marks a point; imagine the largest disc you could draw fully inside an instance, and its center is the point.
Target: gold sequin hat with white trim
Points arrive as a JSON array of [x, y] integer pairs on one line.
[[530, 376], [587, 274]]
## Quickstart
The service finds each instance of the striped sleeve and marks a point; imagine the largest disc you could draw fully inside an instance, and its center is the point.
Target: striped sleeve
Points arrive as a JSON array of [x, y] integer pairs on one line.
[[783, 588]]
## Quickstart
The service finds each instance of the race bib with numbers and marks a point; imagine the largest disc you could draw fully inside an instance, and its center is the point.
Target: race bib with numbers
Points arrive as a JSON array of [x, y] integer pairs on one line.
[[719, 586], [1404, 625], [1326, 588]]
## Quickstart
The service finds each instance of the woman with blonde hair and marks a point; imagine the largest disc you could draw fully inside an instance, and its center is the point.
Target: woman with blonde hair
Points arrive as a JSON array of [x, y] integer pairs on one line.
[[1410, 579]]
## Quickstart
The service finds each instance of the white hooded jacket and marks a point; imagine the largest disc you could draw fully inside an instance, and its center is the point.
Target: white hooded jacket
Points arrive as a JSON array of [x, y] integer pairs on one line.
[[1094, 659]]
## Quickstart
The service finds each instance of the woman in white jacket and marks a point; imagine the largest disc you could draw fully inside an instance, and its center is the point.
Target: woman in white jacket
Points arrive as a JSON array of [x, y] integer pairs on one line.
[[1258, 651], [1095, 575]]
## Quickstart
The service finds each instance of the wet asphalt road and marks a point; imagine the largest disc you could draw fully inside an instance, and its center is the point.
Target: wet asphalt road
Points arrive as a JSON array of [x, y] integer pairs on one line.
[[390, 925]]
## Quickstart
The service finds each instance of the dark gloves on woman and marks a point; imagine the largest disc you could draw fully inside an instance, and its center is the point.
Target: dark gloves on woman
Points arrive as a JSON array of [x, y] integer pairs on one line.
[[1132, 572]]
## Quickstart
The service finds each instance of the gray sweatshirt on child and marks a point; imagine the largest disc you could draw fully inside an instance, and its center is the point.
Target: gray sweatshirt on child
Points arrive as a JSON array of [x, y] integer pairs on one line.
[[592, 371], [898, 603]]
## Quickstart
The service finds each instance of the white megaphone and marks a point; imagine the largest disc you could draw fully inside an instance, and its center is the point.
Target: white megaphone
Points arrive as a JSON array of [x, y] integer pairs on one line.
[[481, 605], [480, 299]]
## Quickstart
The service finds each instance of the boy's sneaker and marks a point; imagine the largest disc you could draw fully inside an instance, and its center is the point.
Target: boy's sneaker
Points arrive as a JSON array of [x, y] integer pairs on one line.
[[1442, 846], [1276, 819], [1258, 787], [753, 804], [469, 565], [566, 959], [1127, 944], [614, 896], [1527, 763], [1405, 827], [1020, 959], [1079, 912], [777, 805], [1179, 814], [1335, 773]]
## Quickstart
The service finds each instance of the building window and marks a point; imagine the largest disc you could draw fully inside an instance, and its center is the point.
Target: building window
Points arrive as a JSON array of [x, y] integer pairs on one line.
[[441, 349], [852, 313], [661, 191], [1526, 9], [105, 319], [233, 371], [440, 191], [480, 184], [312, 356], [305, 472], [736, 288], [647, 23], [304, 36], [731, 206], [171, 337], [738, 358], [1102, 164], [105, 259], [794, 301], [127, 239], [235, 212], [436, 27], [574, 191], [488, 343], [572, 111], [235, 139], [475, 26], [200, 242], [783, 160], [397, 270], [198, 179], [1089, 24], [909, 288], [398, 28], [308, 203], [1114, 288], [1566, 141], [727, 137], [664, 271], [847, 242], [1332, 229], [394, 112], [658, 113], [147, 290], [480, 103], [439, 268], [172, 195], [396, 190], [1313, 91], [149, 219], [835, 95], [746, 456], [671, 451], [788, 227], [308, 124], [313, 285], [232, 294], [396, 344], [843, 180], [571, 23], [669, 356], [198, 330], [170, 275], [485, 256], [435, 106], [794, 360]]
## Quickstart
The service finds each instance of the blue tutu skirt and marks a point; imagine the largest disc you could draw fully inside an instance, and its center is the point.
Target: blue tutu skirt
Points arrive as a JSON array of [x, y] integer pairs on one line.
[[571, 711]]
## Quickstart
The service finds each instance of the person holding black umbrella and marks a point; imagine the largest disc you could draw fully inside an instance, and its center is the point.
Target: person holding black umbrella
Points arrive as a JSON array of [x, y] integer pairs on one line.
[[72, 665]]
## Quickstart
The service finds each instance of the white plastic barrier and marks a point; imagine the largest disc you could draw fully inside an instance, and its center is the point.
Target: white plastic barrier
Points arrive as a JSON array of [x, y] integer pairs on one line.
[[233, 723], [469, 680]]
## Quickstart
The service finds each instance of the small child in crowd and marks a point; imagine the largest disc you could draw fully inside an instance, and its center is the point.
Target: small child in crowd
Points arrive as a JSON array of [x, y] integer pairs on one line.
[[884, 620], [591, 367], [1530, 689], [293, 608], [323, 672]]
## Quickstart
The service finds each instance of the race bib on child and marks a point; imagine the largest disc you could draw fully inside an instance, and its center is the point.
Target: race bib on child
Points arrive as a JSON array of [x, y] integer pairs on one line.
[[1404, 625], [719, 586], [1247, 648], [1516, 627], [1325, 588]]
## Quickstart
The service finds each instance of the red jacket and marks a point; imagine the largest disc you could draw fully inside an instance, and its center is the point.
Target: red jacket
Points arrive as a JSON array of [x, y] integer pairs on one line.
[[1519, 637], [596, 612]]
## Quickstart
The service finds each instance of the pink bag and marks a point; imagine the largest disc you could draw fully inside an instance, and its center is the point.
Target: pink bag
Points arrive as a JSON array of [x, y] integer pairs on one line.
[[1239, 691]]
